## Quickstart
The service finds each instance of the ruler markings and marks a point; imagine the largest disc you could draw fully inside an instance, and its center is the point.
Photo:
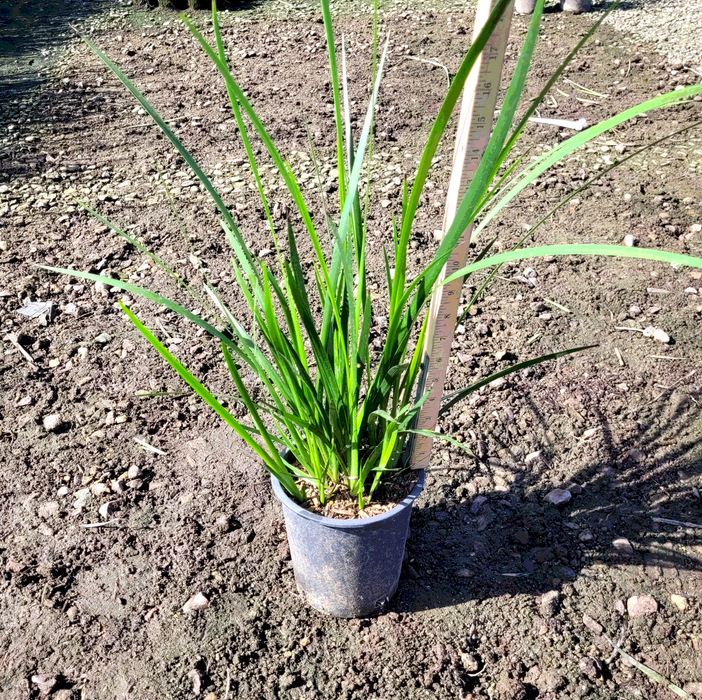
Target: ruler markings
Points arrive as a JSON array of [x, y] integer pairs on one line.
[[474, 127]]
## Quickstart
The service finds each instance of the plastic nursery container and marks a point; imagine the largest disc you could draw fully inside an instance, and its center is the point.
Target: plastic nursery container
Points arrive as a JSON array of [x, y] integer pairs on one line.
[[347, 568], [576, 5], [524, 7]]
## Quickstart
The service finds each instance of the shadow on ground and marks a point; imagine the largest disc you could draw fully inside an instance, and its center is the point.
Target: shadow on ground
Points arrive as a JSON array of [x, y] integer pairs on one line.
[[478, 543]]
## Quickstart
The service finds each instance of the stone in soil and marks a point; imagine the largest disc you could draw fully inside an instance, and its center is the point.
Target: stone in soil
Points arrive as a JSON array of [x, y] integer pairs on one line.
[[641, 605], [198, 602], [53, 422], [558, 497], [44, 682]]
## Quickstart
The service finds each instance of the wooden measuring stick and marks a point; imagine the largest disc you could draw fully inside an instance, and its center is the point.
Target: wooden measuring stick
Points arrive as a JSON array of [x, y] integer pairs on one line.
[[474, 127]]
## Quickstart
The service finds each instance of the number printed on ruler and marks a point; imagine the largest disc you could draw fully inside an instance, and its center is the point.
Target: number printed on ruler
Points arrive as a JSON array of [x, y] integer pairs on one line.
[[474, 127]]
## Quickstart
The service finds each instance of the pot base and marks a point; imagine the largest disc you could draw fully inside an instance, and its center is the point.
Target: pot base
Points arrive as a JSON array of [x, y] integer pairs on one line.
[[347, 568]]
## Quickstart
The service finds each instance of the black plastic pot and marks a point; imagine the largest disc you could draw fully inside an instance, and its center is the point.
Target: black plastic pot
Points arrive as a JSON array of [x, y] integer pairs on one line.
[[347, 568]]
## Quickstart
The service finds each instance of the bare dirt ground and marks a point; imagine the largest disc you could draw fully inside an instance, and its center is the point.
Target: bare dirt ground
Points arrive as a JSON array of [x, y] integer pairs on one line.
[[504, 595]]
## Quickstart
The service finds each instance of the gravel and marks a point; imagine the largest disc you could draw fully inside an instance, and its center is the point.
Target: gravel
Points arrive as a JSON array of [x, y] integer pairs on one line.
[[673, 26]]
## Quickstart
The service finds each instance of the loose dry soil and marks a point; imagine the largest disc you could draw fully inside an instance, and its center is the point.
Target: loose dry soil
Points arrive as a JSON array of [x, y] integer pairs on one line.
[[503, 595]]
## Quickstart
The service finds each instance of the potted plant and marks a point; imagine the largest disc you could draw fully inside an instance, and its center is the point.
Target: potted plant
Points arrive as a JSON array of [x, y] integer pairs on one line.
[[333, 420]]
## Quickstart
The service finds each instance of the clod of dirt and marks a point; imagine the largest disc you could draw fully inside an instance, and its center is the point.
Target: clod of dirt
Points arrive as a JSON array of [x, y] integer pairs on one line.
[[198, 602], [640, 605], [469, 662], [45, 682], [549, 603], [558, 497], [592, 668], [680, 602], [510, 689], [53, 423]]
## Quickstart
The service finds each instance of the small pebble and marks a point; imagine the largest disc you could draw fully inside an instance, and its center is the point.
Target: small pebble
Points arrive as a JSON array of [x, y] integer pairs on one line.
[[103, 339], [53, 422], [629, 241], [680, 602], [469, 662], [558, 497], [48, 510], [641, 605], [592, 624], [477, 504], [107, 509], [198, 602], [45, 682], [656, 333]]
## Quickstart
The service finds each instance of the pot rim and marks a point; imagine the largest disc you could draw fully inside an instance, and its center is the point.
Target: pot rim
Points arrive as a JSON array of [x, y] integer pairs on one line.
[[340, 524]]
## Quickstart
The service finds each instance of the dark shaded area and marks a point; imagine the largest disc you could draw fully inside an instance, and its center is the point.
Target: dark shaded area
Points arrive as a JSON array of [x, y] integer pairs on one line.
[[488, 544]]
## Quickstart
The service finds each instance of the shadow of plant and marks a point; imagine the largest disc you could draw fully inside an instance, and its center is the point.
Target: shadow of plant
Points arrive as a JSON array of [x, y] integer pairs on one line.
[[481, 542]]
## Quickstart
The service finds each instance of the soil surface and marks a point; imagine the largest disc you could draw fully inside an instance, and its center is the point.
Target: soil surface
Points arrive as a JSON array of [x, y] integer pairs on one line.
[[123, 497]]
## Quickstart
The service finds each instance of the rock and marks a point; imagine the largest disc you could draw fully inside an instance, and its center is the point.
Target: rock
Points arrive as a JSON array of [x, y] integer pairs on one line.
[[195, 678], [532, 458], [53, 422], [558, 497], [469, 662], [590, 667], [107, 509], [622, 544], [680, 602], [629, 241], [99, 489], [72, 613], [465, 573], [263, 252], [510, 689], [82, 499], [575, 489], [45, 682], [634, 310], [592, 625], [48, 510], [640, 605], [101, 289], [656, 333], [477, 505], [619, 606], [550, 603], [63, 694], [198, 602], [133, 472], [103, 339]]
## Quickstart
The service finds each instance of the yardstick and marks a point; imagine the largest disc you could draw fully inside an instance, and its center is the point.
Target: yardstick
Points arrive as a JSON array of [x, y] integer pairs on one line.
[[474, 127]]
